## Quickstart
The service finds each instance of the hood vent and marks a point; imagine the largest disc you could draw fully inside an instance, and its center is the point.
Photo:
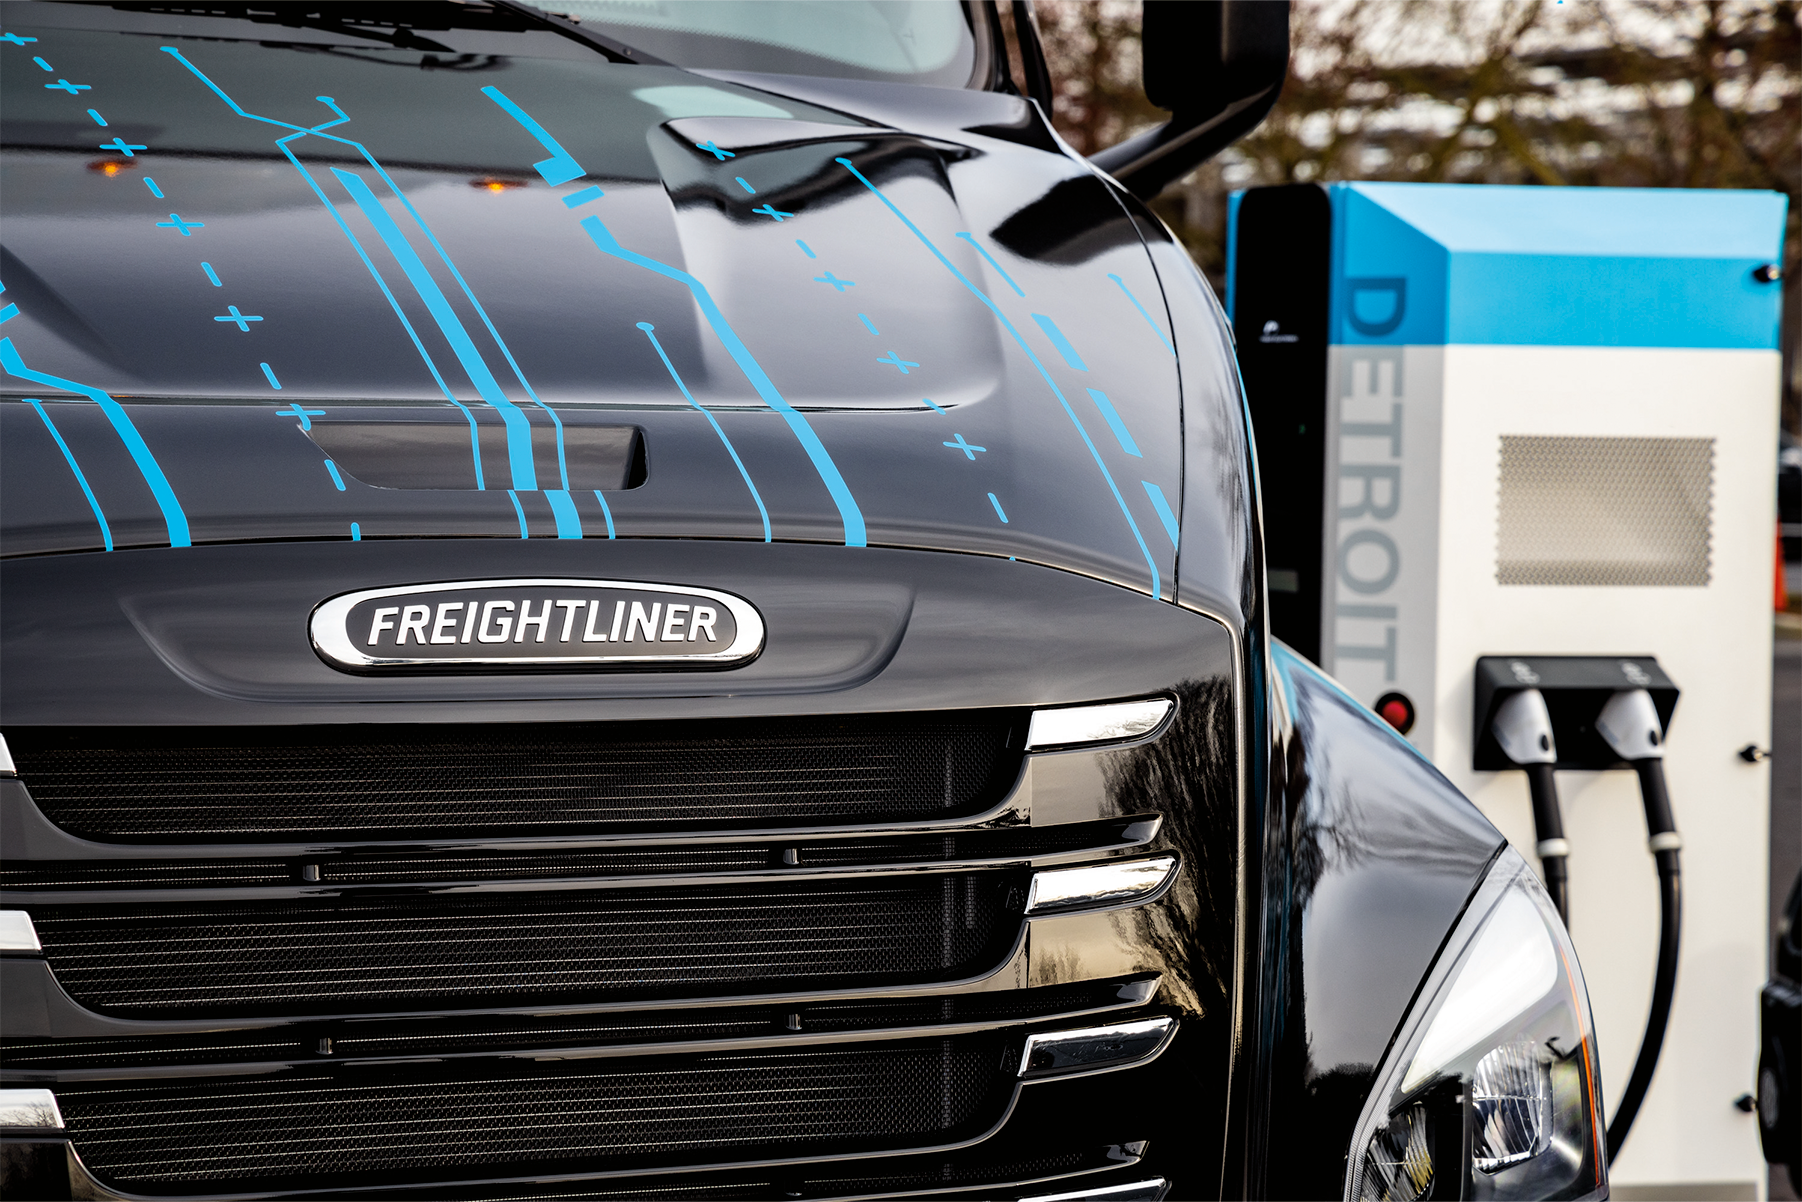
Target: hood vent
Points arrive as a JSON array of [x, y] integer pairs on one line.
[[417, 454]]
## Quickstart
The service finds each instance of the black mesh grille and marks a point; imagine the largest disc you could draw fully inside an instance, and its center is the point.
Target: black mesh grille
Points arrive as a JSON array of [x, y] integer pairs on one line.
[[256, 784], [420, 1122], [353, 1038], [371, 954], [391, 867]]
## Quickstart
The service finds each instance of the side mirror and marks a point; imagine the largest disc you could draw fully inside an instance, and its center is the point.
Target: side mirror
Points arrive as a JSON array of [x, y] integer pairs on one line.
[[1218, 66]]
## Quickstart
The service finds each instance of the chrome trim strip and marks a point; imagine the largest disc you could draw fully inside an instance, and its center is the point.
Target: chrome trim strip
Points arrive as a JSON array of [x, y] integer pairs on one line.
[[1117, 881], [1095, 1049], [31, 1109], [1132, 1191], [17, 934], [333, 642], [1086, 725]]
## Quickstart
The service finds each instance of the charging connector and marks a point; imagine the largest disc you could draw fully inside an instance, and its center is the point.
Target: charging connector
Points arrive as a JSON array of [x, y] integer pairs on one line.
[[1523, 728], [1630, 726]]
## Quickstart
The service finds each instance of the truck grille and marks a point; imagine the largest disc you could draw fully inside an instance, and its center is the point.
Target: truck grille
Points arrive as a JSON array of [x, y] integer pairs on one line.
[[254, 784], [410, 952], [299, 1128]]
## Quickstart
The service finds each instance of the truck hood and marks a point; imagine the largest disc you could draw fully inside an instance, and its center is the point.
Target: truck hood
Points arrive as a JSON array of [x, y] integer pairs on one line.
[[262, 292]]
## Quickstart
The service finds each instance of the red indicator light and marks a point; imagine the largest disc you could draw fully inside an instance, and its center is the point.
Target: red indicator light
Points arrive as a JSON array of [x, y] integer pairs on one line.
[[1396, 710]]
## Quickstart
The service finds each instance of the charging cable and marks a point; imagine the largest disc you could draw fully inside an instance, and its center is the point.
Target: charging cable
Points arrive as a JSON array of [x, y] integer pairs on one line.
[[1523, 727], [1629, 724]]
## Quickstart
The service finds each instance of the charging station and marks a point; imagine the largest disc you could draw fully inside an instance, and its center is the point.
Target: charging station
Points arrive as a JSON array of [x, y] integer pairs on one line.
[[1536, 427]]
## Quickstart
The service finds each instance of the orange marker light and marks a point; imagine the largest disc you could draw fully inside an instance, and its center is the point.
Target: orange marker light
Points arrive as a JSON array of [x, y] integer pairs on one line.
[[497, 185], [107, 167]]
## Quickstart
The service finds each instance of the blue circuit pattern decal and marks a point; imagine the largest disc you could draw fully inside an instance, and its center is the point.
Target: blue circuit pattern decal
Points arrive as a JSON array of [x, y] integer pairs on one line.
[[210, 273], [563, 510], [577, 199], [849, 513], [1155, 327], [1018, 291], [337, 480], [561, 167], [1013, 331], [650, 331], [869, 325], [1111, 415], [239, 319], [154, 190], [805, 249], [1060, 342], [101, 121], [605, 512], [340, 117], [174, 519], [269, 374], [175, 222], [999, 512], [106, 532], [520, 510], [519, 430], [1165, 514], [300, 411], [970, 450]]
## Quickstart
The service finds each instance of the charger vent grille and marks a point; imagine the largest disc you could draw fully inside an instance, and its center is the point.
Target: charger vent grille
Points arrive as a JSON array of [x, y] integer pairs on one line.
[[1605, 511]]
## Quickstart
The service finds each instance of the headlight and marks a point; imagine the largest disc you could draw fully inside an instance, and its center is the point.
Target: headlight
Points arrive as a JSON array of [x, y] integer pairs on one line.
[[1491, 1089]]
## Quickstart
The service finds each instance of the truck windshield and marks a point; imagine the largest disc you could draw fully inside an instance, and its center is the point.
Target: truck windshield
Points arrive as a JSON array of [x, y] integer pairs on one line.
[[901, 41]]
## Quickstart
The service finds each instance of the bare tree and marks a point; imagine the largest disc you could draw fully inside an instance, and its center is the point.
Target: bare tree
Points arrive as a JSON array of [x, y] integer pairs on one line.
[[1629, 93]]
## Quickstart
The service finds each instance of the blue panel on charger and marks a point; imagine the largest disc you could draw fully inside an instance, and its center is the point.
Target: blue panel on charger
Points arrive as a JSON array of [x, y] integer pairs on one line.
[[1427, 264]]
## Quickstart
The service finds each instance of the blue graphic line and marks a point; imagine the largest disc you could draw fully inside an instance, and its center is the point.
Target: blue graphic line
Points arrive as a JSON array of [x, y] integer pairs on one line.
[[1164, 512], [269, 374], [306, 416], [1156, 579], [1155, 327], [331, 209], [896, 361], [869, 325], [849, 513], [1060, 342], [123, 147], [173, 517], [63, 85], [569, 522], [40, 62], [106, 532], [561, 167], [98, 119], [520, 510], [969, 449], [605, 512], [971, 239], [356, 532], [336, 478], [999, 512], [719, 156], [154, 190], [519, 430], [8, 313], [745, 186], [805, 249], [176, 222], [592, 192], [650, 332], [769, 211], [210, 273], [1112, 416], [926, 400], [241, 320], [15, 39]]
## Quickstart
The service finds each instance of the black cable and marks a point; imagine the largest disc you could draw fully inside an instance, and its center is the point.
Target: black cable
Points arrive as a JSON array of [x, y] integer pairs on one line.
[[1548, 830], [1661, 831]]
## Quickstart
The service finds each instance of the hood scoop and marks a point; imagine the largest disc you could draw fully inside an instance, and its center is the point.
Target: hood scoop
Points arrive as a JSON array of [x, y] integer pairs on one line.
[[483, 452]]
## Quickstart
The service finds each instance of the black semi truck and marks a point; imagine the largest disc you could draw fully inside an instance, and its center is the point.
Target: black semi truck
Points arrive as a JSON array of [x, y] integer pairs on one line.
[[666, 600]]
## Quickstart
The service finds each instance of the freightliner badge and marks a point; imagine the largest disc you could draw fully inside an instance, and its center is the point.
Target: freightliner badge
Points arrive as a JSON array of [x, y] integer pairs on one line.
[[474, 625]]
